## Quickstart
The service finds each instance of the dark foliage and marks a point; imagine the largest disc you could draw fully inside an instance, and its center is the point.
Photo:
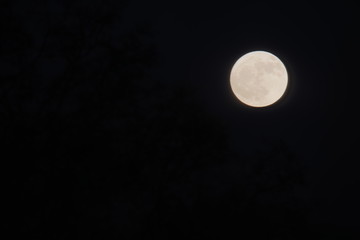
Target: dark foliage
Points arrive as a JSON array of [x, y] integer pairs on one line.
[[96, 147]]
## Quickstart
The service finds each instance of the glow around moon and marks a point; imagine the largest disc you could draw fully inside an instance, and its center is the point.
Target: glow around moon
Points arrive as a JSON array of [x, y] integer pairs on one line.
[[258, 79]]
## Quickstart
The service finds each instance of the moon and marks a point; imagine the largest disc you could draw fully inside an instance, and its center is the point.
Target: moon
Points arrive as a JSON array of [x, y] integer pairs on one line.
[[258, 79]]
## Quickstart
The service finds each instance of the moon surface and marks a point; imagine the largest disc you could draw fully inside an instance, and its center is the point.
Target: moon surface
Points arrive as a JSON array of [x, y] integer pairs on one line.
[[258, 79]]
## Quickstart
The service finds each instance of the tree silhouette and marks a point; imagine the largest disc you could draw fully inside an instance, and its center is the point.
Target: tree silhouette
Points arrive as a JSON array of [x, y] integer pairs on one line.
[[100, 148]]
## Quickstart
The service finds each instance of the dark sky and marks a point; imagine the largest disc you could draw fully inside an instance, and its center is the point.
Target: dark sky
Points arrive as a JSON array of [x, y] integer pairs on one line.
[[119, 120], [199, 42]]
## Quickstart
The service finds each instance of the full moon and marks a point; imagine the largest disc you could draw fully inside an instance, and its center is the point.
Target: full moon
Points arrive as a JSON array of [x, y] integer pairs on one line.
[[258, 79]]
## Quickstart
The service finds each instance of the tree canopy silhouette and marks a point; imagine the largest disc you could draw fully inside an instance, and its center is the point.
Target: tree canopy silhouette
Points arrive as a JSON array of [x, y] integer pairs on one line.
[[102, 148]]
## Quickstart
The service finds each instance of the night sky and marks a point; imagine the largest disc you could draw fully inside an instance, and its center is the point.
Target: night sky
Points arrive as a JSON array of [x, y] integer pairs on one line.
[[117, 120]]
